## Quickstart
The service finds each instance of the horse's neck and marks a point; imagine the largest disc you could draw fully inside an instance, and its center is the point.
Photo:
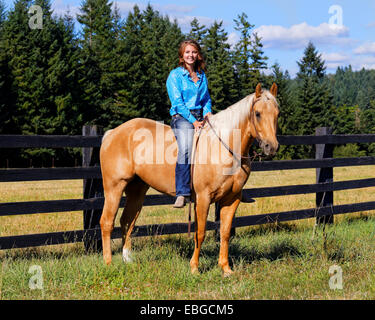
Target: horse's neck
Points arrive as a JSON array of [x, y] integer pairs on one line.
[[235, 122], [246, 138]]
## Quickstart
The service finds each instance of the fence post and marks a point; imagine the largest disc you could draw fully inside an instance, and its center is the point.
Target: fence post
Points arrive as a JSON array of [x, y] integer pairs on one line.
[[324, 174], [92, 188]]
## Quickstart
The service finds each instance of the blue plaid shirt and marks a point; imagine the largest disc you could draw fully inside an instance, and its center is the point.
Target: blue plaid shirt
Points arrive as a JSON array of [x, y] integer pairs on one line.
[[185, 95]]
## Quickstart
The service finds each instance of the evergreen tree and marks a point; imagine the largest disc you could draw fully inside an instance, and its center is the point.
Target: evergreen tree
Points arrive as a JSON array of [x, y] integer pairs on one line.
[[150, 52], [197, 32], [153, 33], [2, 13], [7, 97], [258, 61], [220, 72], [282, 79], [313, 96], [99, 71], [133, 65], [314, 99], [248, 56], [242, 55], [16, 51]]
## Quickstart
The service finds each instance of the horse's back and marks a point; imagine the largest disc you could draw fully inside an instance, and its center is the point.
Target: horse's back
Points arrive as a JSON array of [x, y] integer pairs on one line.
[[141, 147]]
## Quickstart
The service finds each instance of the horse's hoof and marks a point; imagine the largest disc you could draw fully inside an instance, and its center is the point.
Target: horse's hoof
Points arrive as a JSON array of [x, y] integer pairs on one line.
[[194, 270], [127, 256], [107, 261], [227, 273]]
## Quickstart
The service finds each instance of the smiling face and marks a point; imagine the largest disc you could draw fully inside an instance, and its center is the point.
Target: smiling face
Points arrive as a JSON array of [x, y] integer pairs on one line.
[[190, 55]]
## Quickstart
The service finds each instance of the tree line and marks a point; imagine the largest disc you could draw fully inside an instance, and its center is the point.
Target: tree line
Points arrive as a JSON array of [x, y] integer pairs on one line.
[[54, 80]]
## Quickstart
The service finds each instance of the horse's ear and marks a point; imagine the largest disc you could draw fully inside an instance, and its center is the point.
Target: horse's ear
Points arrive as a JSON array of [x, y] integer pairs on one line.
[[274, 89], [258, 90]]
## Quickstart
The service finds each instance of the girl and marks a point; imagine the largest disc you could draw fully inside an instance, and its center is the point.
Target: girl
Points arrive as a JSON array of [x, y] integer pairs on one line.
[[188, 92]]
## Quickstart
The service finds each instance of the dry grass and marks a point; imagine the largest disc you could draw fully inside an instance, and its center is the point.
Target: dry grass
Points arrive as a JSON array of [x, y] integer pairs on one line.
[[72, 189]]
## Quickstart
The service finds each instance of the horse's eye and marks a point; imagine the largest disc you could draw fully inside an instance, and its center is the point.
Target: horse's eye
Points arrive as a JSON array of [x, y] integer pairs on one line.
[[257, 114]]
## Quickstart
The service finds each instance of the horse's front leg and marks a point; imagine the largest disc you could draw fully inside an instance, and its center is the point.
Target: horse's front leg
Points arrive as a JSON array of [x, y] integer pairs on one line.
[[202, 205], [227, 211]]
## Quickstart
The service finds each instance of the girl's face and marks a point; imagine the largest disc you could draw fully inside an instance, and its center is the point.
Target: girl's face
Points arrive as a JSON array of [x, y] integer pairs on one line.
[[190, 55]]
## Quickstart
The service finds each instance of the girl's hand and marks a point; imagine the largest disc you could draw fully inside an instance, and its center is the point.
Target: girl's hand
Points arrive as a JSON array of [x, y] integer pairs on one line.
[[197, 125]]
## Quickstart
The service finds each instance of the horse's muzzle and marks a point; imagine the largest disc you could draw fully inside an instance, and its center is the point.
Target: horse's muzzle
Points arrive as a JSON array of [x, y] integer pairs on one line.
[[268, 148]]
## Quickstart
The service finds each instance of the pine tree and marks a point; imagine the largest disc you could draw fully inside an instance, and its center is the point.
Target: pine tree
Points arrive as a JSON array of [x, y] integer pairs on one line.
[[242, 55], [197, 32], [7, 96], [220, 72], [248, 56], [258, 61], [282, 79], [133, 65], [98, 55], [16, 52], [150, 52], [2, 13], [313, 96]]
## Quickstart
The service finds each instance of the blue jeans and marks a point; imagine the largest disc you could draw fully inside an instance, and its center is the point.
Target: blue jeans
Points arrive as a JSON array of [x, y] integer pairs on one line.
[[184, 133]]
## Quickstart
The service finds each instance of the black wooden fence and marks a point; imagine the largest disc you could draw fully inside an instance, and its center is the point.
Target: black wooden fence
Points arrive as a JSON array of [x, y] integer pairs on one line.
[[93, 200]]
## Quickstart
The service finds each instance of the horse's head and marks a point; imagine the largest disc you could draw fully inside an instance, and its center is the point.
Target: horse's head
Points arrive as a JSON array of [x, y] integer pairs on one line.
[[263, 115]]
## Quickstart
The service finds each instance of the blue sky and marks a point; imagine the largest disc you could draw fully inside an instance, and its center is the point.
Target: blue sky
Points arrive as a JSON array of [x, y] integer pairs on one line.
[[343, 31]]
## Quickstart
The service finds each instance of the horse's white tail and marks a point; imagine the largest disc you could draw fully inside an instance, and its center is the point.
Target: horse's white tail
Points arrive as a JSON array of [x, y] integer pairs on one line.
[[106, 134]]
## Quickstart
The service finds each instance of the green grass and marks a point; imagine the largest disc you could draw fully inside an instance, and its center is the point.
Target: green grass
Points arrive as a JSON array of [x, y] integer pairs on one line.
[[283, 261], [269, 262]]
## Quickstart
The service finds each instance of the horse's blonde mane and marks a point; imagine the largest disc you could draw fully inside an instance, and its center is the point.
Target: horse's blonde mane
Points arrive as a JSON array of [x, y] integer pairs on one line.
[[231, 117]]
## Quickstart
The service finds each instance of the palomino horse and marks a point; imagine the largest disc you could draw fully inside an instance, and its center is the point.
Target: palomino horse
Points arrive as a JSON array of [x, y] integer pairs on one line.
[[142, 153]]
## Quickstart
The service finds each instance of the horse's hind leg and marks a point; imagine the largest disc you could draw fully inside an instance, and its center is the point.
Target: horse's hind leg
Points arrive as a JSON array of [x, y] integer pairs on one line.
[[113, 195], [135, 193]]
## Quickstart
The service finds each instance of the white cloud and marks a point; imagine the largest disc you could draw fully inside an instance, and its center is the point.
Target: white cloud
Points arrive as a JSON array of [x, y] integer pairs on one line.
[[233, 38], [173, 8], [60, 9], [184, 21], [335, 57], [297, 36], [366, 48], [364, 62], [334, 60]]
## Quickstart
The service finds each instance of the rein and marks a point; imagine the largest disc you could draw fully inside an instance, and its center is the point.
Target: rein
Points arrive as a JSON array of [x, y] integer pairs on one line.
[[239, 156]]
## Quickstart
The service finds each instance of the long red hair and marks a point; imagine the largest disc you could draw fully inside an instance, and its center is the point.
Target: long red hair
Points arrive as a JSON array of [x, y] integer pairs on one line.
[[200, 63]]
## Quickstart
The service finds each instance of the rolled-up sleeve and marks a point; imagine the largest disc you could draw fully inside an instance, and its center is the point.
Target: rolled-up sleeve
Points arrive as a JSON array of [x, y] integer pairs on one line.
[[175, 96]]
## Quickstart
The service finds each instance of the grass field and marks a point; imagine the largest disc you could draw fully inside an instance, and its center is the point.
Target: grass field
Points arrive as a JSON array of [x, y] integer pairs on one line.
[[284, 261]]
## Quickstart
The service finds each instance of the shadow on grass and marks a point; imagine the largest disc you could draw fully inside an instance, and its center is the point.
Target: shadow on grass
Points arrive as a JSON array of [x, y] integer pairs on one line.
[[265, 229], [238, 253], [358, 218], [43, 253]]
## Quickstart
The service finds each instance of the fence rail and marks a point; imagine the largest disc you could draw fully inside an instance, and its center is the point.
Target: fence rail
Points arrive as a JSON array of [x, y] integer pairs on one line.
[[93, 200]]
